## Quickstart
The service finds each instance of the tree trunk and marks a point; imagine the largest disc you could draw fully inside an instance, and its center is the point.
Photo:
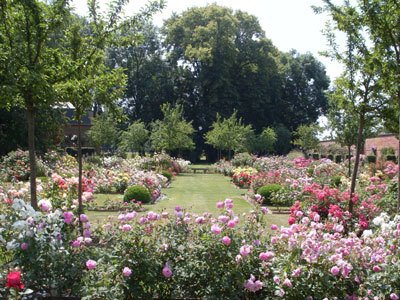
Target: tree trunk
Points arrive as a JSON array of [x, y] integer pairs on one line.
[[398, 174], [32, 156], [349, 148], [357, 160], [80, 208]]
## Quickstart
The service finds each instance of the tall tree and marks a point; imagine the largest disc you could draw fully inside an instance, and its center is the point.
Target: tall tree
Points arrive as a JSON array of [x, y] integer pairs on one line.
[[89, 80], [173, 132], [382, 19], [307, 137], [135, 138], [360, 76], [230, 134], [29, 63], [104, 132]]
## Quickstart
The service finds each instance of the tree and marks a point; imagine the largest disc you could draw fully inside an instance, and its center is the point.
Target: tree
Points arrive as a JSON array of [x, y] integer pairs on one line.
[[381, 18], [364, 87], [304, 88], [104, 133], [284, 137], [135, 138], [307, 137], [29, 63], [230, 135], [265, 141], [173, 132]]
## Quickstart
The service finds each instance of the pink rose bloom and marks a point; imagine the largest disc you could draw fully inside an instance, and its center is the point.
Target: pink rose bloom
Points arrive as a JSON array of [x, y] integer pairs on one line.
[[246, 250], [178, 208], [68, 216], [127, 272], [126, 227], [296, 272], [24, 246], [291, 220], [274, 227], [83, 218], [200, 220], [121, 217], [216, 229], [130, 216], [376, 268], [76, 244], [86, 233], [220, 204], [91, 264], [231, 223], [276, 279], [393, 296], [287, 282], [266, 255], [167, 271], [226, 240], [88, 240], [223, 219], [335, 270], [317, 218]]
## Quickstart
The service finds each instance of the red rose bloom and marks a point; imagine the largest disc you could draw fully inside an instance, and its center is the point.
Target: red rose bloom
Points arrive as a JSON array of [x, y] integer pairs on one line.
[[14, 280]]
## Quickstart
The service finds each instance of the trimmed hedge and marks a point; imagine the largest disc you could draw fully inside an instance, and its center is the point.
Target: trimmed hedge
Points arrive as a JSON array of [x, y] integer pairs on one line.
[[137, 192], [267, 190]]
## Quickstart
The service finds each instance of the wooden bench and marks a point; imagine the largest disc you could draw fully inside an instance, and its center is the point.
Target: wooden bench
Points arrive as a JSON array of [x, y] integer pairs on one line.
[[200, 169]]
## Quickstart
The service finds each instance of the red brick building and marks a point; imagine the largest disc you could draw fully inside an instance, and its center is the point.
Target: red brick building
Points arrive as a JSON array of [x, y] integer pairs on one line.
[[382, 141]]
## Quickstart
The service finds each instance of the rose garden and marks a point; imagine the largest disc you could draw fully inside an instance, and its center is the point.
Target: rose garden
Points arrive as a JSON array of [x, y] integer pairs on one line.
[[187, 161]]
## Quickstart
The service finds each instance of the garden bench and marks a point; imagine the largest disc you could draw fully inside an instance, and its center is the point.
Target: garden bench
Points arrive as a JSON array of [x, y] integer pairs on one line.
[[200, 169]]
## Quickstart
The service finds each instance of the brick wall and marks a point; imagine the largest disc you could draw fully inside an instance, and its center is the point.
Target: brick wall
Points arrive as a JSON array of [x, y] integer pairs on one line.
[[380, 142]]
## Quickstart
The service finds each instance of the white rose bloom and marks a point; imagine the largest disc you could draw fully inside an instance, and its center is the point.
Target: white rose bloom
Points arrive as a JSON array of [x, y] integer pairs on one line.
[[378, 220], [367, 233], [18, 204], [2, 218], [385, 227], [20, 225], [12, 245]]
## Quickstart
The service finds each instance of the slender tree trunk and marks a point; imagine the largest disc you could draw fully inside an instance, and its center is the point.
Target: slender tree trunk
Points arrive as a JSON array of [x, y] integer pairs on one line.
[[357, 160], [32, 156], [398, 174], [349, 148], [80, 208]]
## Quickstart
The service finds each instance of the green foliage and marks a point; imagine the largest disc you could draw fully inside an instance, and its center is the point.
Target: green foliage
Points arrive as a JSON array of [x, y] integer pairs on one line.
[[307, 137], [371, 158], [336, 181], [265, 141], [267, 191], [103, 133], [137, 193], [167, 174], [310, 172], [242, 160], [135, 137], [284, 137], [385, 151], [229, 134], [173, 132]]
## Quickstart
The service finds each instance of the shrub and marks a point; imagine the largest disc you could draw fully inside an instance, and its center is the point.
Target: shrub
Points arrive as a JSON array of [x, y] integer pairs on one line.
[[385, 151], [391, 158], [338, 159], [315, 156], [167, 174], [16, 165], [242, 160], [371, 159], [137, 192], [336, 181], [266, 192]]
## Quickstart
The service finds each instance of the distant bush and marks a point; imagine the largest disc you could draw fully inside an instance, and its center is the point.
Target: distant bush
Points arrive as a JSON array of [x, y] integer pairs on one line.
[[336, 181], [392, 158], [266, 192], [137, 192], [167, 174], [310, 172], [242, 159], [371, 159], [386, 151]]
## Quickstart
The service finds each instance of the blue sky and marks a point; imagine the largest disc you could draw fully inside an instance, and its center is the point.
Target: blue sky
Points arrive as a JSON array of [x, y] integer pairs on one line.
[[290, 24]]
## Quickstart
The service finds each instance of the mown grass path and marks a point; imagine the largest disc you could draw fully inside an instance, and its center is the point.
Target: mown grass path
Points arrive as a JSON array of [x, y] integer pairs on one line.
[[199, 193]]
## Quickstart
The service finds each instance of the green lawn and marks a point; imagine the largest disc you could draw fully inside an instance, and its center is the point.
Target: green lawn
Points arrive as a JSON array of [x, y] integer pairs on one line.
[[196, 193]]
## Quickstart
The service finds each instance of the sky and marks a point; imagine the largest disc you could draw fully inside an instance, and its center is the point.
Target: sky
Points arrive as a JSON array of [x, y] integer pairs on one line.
[[290, 24]]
